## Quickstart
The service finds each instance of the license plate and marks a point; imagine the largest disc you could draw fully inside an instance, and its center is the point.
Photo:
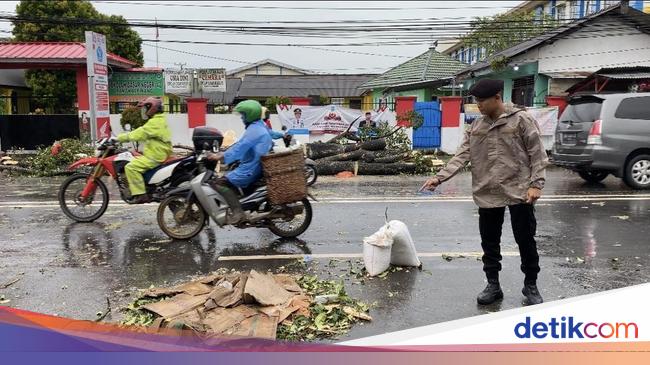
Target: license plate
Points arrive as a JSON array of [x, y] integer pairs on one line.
[[569, 139]]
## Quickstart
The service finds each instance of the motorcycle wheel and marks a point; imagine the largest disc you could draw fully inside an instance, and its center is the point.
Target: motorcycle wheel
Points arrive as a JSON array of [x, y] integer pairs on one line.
[[82, 211], [310, 175], [171, 221], [295, 227]]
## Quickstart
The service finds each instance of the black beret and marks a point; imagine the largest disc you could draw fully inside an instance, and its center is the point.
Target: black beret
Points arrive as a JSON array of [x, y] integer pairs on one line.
[[486, 88], [297, 110]]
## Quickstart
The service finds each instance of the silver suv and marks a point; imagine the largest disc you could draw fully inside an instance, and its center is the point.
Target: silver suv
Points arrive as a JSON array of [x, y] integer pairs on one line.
[[604, 134]]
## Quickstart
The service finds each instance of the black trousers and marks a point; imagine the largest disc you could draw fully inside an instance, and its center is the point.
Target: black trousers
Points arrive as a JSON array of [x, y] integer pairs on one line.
[[524, 226]]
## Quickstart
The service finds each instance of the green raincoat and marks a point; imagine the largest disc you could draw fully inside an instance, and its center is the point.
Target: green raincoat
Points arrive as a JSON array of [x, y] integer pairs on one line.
[[156, 136]]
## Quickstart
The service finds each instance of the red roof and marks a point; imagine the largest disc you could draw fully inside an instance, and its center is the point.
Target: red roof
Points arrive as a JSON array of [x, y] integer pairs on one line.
[[145, 69], [53, 53]]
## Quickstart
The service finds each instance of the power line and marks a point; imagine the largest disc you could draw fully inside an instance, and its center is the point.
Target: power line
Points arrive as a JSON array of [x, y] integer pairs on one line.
[[196, 54], [392, 9]]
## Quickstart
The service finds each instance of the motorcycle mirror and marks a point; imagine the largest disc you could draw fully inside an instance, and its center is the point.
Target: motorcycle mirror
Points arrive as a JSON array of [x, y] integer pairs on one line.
[[127, 127]]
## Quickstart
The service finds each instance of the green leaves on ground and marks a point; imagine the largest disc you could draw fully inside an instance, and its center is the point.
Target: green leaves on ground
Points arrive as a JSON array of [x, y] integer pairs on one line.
[[326, 320], [44, 163]]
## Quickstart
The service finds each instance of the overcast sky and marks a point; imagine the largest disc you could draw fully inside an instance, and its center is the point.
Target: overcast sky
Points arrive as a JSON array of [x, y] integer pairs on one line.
[[318, 60]]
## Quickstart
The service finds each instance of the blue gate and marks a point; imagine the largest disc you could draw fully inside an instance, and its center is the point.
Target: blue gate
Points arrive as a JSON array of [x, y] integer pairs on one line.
[[428, 135]]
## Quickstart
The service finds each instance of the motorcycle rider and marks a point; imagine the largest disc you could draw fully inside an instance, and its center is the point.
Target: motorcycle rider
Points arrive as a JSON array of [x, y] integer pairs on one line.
[[254, 143], [156, 136]]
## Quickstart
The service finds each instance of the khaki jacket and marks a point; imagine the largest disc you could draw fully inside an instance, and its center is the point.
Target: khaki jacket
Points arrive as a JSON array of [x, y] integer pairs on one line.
[[507, 157]]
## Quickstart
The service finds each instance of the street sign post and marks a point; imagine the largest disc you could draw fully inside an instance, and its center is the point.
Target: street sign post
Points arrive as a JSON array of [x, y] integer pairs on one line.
[[96, 55]]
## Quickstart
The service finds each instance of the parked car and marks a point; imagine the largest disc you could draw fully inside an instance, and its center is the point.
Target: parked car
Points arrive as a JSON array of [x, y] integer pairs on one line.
[[602, 134]]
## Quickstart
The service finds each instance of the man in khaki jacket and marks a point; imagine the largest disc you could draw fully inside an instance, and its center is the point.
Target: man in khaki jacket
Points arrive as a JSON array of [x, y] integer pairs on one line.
[[507, 162]]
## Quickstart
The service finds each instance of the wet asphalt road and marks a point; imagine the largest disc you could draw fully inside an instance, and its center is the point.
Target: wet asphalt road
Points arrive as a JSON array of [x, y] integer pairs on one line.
[[590, 237]]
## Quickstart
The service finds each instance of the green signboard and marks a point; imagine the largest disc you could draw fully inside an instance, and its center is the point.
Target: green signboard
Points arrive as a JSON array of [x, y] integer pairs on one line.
[[136, 84]]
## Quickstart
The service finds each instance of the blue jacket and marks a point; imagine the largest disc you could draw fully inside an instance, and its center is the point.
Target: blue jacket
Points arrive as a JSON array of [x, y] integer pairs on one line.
[[275, 134], [255, 143]]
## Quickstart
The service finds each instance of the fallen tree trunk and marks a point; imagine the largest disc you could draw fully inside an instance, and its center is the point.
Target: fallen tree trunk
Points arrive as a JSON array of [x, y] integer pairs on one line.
[[334, 167], [349, 156], [390, 159], [320, 150], [374, 145]]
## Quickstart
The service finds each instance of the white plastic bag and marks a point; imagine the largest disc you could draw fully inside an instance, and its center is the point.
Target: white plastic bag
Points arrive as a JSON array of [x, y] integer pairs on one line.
[[403, 251], [377, 251]]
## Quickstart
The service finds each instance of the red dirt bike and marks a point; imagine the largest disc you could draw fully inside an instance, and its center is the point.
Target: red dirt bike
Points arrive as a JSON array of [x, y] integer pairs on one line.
[[84, 196]]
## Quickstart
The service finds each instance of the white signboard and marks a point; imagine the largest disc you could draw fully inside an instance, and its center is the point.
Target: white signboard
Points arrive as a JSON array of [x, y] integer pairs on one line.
[[212, 79], [546, 119], [96, 55], [178, 82], [328, 118]]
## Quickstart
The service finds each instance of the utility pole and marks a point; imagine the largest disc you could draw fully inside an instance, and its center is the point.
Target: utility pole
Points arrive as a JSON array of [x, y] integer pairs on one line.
[[157, 41]]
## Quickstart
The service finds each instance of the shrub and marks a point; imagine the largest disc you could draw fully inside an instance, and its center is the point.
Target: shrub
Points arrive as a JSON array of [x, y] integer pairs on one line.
[[131, 115], [52, 159]]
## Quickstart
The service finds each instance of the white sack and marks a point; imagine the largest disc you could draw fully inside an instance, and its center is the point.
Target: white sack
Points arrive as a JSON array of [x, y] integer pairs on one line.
[[377, 251], [403, 251]]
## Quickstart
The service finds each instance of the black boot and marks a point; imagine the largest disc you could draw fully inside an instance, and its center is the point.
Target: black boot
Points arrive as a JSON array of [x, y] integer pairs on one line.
[[140, 199], [531, 294], [491, 293]]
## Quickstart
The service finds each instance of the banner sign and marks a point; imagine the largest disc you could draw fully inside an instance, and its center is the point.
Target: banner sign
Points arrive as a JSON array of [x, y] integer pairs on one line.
[[96, 55], [178, 82], [328, 118], [134, 86], [546, 119], [212, 79]]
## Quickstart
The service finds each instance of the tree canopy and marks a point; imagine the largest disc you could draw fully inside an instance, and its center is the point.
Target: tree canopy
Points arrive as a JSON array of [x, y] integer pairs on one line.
[[498, 32], [55, 90]]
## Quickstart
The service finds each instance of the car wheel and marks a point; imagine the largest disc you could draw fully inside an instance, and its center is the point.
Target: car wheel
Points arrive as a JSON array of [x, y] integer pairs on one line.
[[593, 176], [637, 172]]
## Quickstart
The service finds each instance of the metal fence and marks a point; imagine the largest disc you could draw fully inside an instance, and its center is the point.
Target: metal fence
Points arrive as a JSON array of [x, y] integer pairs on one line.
[[29, 131]]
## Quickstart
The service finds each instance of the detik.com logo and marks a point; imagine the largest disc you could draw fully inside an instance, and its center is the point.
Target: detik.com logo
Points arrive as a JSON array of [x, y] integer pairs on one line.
[[568, 327]]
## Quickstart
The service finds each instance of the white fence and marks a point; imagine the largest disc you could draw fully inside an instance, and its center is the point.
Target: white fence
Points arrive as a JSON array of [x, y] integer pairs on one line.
[[182, 133]]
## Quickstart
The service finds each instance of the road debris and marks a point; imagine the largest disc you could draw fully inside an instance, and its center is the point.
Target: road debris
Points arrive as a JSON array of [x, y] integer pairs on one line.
[[250, 304], [621, 217], [11, 282]]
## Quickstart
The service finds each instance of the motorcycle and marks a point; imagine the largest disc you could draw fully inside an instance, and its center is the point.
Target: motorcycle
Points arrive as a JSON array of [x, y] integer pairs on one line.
[[310, 171], [184, 213], [84, 197]]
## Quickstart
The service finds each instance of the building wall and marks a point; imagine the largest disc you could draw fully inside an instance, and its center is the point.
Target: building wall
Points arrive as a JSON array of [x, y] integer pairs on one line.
[[267, 69], [625, 46], [557, 87], [509, 74], [572, 9]]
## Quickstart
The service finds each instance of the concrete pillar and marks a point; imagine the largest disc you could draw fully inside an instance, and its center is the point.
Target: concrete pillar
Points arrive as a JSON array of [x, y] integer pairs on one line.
[[196, 111], [404, 104], [450, 106], [83, 102]]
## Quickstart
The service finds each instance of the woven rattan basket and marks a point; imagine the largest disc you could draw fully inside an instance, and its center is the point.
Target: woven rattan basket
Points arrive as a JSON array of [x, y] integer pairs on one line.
[[285, 176]]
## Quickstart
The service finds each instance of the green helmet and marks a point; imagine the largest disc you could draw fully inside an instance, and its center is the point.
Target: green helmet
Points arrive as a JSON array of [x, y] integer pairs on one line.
[[251, 110]]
